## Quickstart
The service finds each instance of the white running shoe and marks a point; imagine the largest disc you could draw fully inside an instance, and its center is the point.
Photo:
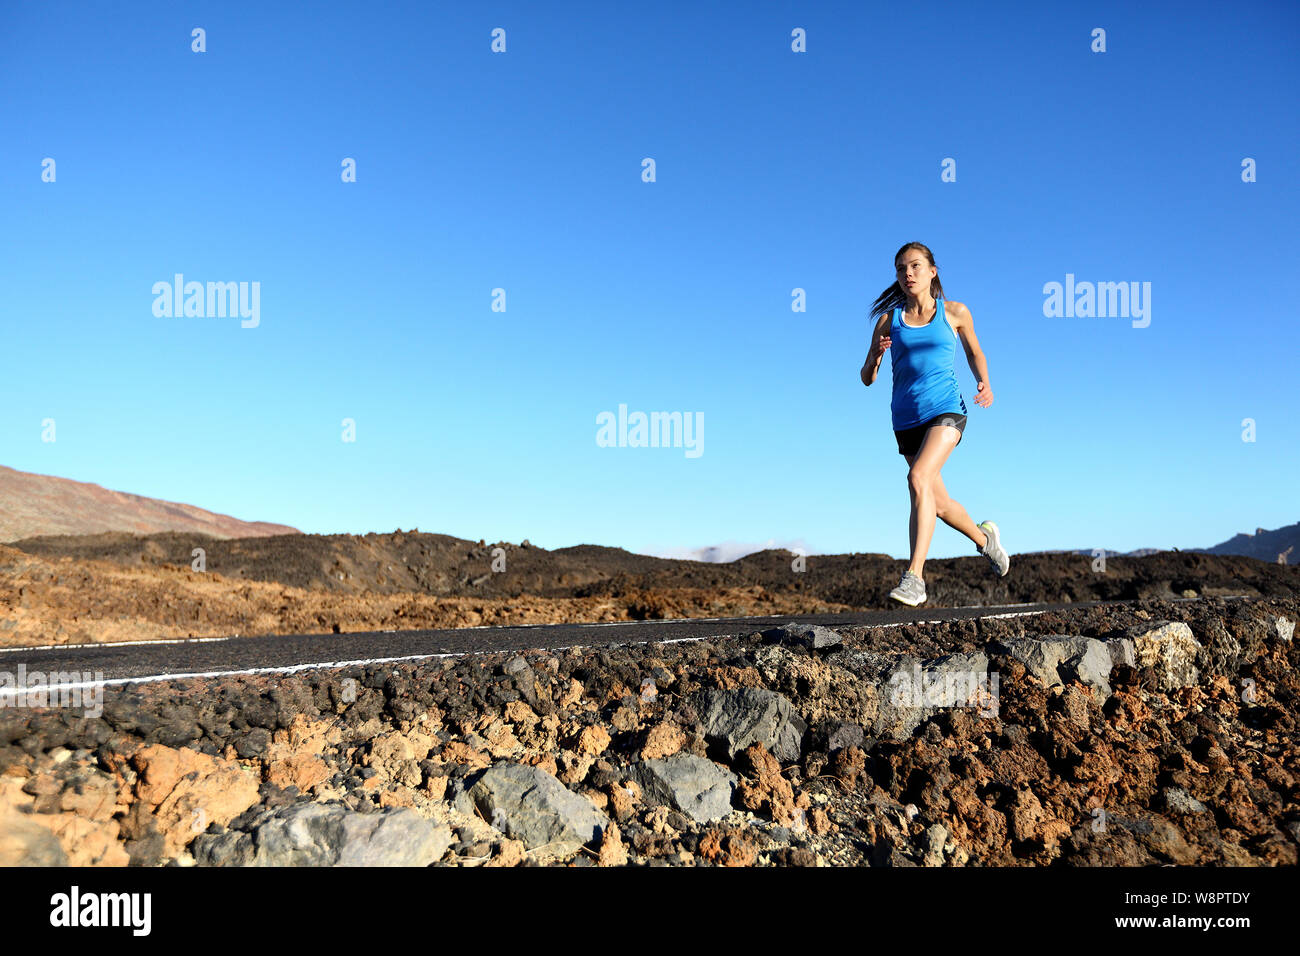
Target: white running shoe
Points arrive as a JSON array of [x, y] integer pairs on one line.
[[993, 549], [911, 590]]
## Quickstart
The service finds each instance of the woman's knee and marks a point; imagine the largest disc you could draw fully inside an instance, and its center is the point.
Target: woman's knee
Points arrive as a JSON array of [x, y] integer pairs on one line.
[[920, 481]]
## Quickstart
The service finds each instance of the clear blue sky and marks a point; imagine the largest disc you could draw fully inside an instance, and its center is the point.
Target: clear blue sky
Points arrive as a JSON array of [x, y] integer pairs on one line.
[[776, 170]]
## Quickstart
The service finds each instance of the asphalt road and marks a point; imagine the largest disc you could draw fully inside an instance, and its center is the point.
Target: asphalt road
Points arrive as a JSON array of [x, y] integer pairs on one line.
[[151, 660]]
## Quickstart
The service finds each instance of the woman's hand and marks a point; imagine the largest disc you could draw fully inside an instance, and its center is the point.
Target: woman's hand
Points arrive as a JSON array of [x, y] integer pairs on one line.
[[984, 395], [874, 356]]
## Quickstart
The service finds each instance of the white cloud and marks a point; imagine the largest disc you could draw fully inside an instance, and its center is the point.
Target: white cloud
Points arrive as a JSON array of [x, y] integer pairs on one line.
[[727, 551]]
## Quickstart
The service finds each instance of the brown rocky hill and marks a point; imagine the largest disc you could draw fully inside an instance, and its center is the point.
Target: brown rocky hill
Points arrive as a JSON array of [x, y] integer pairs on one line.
[[33, 504]]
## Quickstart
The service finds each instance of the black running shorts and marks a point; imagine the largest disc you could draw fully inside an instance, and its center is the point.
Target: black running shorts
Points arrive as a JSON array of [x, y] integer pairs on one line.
[[909, 439]]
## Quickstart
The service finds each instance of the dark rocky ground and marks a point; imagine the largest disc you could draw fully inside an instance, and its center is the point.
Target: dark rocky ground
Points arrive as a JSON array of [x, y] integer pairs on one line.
[[1133, 741], [440, 565]]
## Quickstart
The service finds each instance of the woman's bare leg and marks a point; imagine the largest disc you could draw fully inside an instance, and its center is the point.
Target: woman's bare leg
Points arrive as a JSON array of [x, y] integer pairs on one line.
[[935, 448], [954, 515]]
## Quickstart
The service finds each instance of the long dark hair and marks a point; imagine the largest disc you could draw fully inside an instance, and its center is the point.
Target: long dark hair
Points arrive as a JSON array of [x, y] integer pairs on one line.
[[894, 296]]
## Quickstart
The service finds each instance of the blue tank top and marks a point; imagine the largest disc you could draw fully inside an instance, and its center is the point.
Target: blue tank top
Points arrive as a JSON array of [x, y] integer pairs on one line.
[[923, 360]]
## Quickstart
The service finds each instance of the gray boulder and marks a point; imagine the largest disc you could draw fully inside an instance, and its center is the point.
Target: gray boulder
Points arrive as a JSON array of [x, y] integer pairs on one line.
[[529, 804], [737, 718], [317, 834], [517, 665], [915, 690], [458, 797], [1054, 659], [696, 786], [1281, 628], [1122, 651], [812, 636]]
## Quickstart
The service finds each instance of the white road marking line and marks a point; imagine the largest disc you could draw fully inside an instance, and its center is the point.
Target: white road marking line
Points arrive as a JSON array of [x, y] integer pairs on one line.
[[8, 692], [670, 620], [984, 617], [60, 647]]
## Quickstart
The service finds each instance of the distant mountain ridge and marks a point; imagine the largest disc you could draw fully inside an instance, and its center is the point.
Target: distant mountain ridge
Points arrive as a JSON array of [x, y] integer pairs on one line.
[[1279, 546], [32, 504]]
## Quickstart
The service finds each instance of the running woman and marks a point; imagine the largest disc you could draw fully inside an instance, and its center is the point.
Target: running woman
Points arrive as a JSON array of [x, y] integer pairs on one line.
[[929, 414]]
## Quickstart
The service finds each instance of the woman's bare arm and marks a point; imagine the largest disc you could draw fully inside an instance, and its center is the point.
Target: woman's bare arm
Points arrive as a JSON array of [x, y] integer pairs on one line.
[[879, 342], [979, 366]]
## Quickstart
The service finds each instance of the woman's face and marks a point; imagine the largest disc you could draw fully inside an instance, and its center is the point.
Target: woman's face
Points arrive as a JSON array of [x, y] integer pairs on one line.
[[914, 271]]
